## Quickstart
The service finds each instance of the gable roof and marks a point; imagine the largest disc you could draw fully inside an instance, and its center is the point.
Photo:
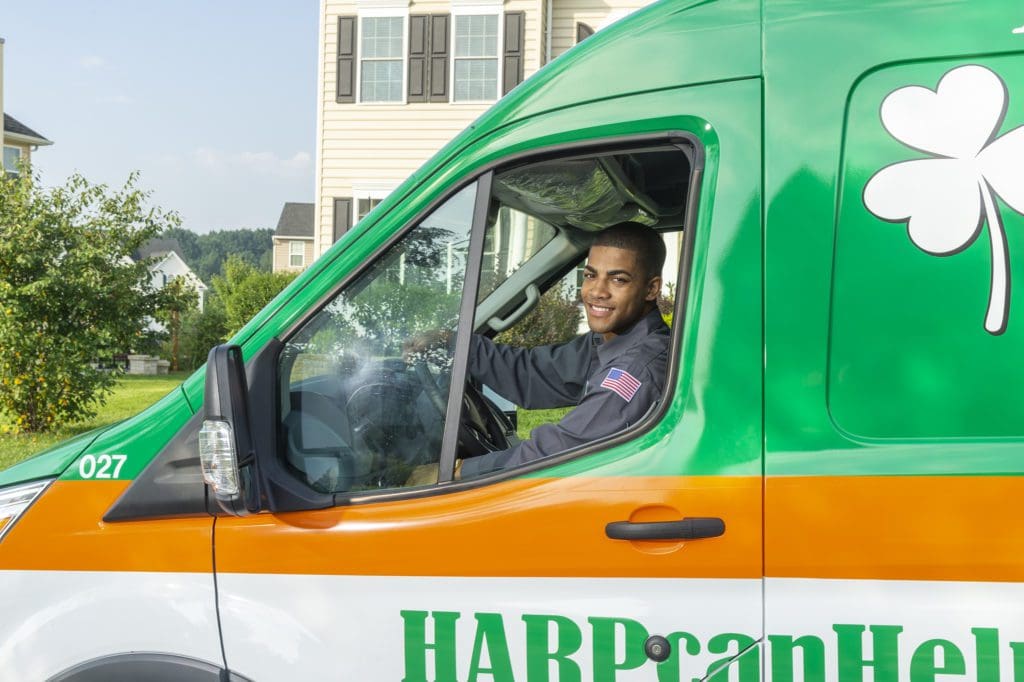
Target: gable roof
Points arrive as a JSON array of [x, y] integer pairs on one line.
[[21, 132], [296, 220], [159, 247]]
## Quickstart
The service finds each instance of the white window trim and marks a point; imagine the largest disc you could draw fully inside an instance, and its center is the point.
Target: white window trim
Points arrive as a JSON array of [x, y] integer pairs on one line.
[[21, 157], [382, 10], [301, 254], [369, 190], [473, 8]]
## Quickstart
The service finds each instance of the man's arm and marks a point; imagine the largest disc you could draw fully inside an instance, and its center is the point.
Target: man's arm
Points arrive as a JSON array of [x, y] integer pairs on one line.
[[534, 378], [602, 412]]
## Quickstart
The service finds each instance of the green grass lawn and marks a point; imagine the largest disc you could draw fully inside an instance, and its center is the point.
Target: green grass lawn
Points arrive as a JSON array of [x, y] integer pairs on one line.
[[531, 419], [131, 395]]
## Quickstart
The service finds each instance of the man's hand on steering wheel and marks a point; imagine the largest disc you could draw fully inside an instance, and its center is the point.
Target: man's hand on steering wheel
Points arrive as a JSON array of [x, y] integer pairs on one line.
[[417, 347]]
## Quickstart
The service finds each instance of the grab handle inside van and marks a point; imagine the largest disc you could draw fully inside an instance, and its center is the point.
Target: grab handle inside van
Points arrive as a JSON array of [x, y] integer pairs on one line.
[[532, 296]]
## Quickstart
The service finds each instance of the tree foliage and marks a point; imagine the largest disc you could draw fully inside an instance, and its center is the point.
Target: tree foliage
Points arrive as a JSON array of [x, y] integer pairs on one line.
[[555, 319], [207, 253], [71, 297], [244, 290], [175, 300], [201, 331]]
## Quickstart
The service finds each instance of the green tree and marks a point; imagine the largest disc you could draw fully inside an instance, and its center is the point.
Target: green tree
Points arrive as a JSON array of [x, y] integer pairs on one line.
[[176, 299], [245, 290], [70, 294], [207, 253], [201, 330]]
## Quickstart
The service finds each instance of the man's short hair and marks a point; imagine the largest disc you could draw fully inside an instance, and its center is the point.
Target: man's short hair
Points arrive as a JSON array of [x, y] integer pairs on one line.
[[641, 240]]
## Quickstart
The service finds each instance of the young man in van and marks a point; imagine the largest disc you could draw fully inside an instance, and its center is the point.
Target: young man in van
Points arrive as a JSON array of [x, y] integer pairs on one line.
[[612, 375]]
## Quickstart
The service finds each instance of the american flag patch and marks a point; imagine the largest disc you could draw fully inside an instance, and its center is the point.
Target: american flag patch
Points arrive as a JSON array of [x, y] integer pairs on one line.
[[622, 382]]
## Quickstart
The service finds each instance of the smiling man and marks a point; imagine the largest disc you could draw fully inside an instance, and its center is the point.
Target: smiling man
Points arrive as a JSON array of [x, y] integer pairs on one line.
[[612, 375]]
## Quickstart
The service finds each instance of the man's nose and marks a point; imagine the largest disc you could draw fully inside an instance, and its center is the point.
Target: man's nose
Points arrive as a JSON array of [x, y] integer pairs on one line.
[[598, 288]]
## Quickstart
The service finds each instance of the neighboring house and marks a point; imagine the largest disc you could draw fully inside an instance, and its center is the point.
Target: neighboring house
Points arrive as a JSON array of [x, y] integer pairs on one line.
[[18, 140], [167, 265], [293, 238], [400, 78]]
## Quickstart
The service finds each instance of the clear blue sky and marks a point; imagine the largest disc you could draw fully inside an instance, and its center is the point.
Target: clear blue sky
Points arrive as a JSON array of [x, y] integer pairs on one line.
[[212, 101]]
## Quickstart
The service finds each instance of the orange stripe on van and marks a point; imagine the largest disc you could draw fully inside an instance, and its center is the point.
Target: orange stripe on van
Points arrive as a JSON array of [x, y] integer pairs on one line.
[[967, 528], [528, 527], [64, 531]]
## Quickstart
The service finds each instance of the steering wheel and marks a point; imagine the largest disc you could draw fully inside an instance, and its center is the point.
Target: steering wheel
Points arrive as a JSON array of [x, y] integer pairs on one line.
[[480, 427]]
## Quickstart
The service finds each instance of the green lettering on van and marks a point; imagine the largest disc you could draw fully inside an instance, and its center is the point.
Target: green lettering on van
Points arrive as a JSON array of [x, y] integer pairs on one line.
[[885, 645], [782, 649], [416, 645], [490, 633], [669, 669], [924, 666], [604, 632], [539, 654], [749, 666], [986, 653], [1018, 661]]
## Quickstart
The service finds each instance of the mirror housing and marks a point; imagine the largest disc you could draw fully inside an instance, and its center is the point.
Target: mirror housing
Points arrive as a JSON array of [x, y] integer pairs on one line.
[[226, 449]]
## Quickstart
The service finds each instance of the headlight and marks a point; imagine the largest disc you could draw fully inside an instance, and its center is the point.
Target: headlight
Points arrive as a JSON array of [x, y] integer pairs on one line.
[[16, 499]]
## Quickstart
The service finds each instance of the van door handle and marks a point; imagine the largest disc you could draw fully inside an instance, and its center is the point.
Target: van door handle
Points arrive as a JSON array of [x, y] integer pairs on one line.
[[690, 528]]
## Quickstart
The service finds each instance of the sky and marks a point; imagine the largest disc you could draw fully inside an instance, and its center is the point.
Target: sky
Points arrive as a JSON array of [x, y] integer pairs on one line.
[[213, 102]]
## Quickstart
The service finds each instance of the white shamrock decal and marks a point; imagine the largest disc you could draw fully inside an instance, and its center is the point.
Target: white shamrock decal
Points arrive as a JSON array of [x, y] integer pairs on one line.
[[946, 199]]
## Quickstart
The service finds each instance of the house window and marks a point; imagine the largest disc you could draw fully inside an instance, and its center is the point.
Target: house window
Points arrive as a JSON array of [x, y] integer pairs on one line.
[[476, 57], [366, 196], [380, 59], [365, 205], [296, 254], [12, 157]]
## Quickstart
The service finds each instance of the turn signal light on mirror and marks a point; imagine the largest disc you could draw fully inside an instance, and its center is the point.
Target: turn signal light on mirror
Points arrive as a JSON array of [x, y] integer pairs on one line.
[[218, 457]]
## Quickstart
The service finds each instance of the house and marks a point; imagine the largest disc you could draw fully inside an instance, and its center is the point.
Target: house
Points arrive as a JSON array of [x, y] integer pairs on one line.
[[168, 264], [400, 78], [293, 238], [17, 139]]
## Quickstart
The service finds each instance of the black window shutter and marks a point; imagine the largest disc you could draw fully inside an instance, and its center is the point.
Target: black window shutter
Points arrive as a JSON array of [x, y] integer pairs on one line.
[[583, 32], [342, 216], [419, 49], [513, 65], [437, 79], [346, 80]]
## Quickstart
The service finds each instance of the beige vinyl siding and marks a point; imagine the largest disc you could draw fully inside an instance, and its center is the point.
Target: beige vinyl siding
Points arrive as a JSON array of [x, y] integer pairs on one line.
[[385, 143], [282, 251], [567, 13]]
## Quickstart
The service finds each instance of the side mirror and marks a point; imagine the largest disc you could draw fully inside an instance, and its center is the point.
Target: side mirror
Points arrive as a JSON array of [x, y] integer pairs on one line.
[[225, 440]]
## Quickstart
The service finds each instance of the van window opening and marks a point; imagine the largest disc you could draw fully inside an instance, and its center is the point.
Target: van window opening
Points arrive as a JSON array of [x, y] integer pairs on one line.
[[358, 415]]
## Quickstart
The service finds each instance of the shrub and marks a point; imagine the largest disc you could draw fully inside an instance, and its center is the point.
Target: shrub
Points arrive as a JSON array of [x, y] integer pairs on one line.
[[71, 297], [555, 319]]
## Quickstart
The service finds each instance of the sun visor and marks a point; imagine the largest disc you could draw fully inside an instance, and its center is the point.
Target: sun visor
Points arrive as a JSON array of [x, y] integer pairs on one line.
[[590, 194]]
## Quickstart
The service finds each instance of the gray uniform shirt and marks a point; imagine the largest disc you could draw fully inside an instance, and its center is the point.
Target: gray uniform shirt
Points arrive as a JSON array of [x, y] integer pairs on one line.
[[612, 385]]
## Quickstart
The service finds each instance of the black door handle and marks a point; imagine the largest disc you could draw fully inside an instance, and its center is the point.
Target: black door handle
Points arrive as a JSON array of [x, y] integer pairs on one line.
[[690, 528]]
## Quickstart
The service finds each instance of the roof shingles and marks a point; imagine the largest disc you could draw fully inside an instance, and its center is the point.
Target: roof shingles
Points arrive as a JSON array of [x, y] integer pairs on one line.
[[296, 220], [16, 127]]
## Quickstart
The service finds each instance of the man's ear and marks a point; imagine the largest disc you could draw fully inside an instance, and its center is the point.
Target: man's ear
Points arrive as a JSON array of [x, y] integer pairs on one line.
[[653, 289]]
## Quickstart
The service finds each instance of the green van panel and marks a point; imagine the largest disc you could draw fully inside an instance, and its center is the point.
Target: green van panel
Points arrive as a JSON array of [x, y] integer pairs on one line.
[[926, 331]]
